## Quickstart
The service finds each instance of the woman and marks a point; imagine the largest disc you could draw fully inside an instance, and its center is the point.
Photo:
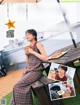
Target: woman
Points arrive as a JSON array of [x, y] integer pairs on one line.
[[52, 75], [61, 75], [35, 54]]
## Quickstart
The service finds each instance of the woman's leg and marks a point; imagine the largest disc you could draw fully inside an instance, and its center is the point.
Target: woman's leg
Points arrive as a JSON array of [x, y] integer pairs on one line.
[[22, 90]]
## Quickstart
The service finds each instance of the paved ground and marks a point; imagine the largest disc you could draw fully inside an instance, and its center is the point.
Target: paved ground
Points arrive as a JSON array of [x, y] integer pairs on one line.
[[7, 82]]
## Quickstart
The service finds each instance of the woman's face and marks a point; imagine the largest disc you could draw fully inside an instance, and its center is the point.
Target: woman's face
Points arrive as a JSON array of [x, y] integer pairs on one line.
[[30, 37], [53, 74], [61, 71]]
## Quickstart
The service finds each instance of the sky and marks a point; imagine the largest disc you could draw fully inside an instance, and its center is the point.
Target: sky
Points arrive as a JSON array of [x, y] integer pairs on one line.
[[42, 16]]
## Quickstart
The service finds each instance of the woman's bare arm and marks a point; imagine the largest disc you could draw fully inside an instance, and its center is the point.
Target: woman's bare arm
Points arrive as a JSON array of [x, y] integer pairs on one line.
[[43, 56], [26, 53], [27, 61]]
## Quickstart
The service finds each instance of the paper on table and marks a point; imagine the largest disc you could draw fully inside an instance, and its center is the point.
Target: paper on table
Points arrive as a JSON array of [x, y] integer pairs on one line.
[[58, 54]]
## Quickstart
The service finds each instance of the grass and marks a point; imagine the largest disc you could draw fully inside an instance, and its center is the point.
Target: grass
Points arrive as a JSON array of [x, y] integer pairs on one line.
[[69, 101], [74, 100], [77, 63], [35, 99], [8, 98]]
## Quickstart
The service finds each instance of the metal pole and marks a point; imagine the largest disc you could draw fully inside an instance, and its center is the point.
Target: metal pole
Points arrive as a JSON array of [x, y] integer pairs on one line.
[[68, 25]]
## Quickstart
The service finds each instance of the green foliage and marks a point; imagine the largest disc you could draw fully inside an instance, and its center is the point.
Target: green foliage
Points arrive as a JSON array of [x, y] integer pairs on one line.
[[70, 101], [8, 98], [74, 100]]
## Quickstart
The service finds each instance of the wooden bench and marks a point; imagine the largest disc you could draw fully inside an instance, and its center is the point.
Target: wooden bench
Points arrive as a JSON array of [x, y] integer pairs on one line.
[[77, 79], [76, 76], [40, 88]]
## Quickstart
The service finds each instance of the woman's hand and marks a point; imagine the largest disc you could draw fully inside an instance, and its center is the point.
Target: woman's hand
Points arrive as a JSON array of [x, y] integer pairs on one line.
[[31, 51], [26, 49]]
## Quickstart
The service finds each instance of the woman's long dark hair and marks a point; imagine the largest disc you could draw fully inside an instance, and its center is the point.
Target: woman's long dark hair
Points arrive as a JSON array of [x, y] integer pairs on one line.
[[33, 32]]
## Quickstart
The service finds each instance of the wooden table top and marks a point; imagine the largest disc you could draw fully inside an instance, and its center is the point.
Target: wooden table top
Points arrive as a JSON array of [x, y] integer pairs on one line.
[[72, 54]]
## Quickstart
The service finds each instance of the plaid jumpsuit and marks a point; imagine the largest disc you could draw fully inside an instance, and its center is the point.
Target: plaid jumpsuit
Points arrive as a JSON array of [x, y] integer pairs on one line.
[[22, 89]]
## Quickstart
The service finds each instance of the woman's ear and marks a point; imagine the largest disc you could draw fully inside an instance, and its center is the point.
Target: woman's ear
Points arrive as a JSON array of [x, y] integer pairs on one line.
[[34, 37]]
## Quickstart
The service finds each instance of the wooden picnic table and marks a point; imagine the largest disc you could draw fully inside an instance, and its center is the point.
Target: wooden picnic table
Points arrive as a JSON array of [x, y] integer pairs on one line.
[[72, 55], [41, 86], [69, 58]]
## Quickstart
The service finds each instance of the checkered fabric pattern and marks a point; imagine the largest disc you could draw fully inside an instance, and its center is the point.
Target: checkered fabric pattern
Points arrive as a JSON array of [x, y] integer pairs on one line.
[[22, 89]]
